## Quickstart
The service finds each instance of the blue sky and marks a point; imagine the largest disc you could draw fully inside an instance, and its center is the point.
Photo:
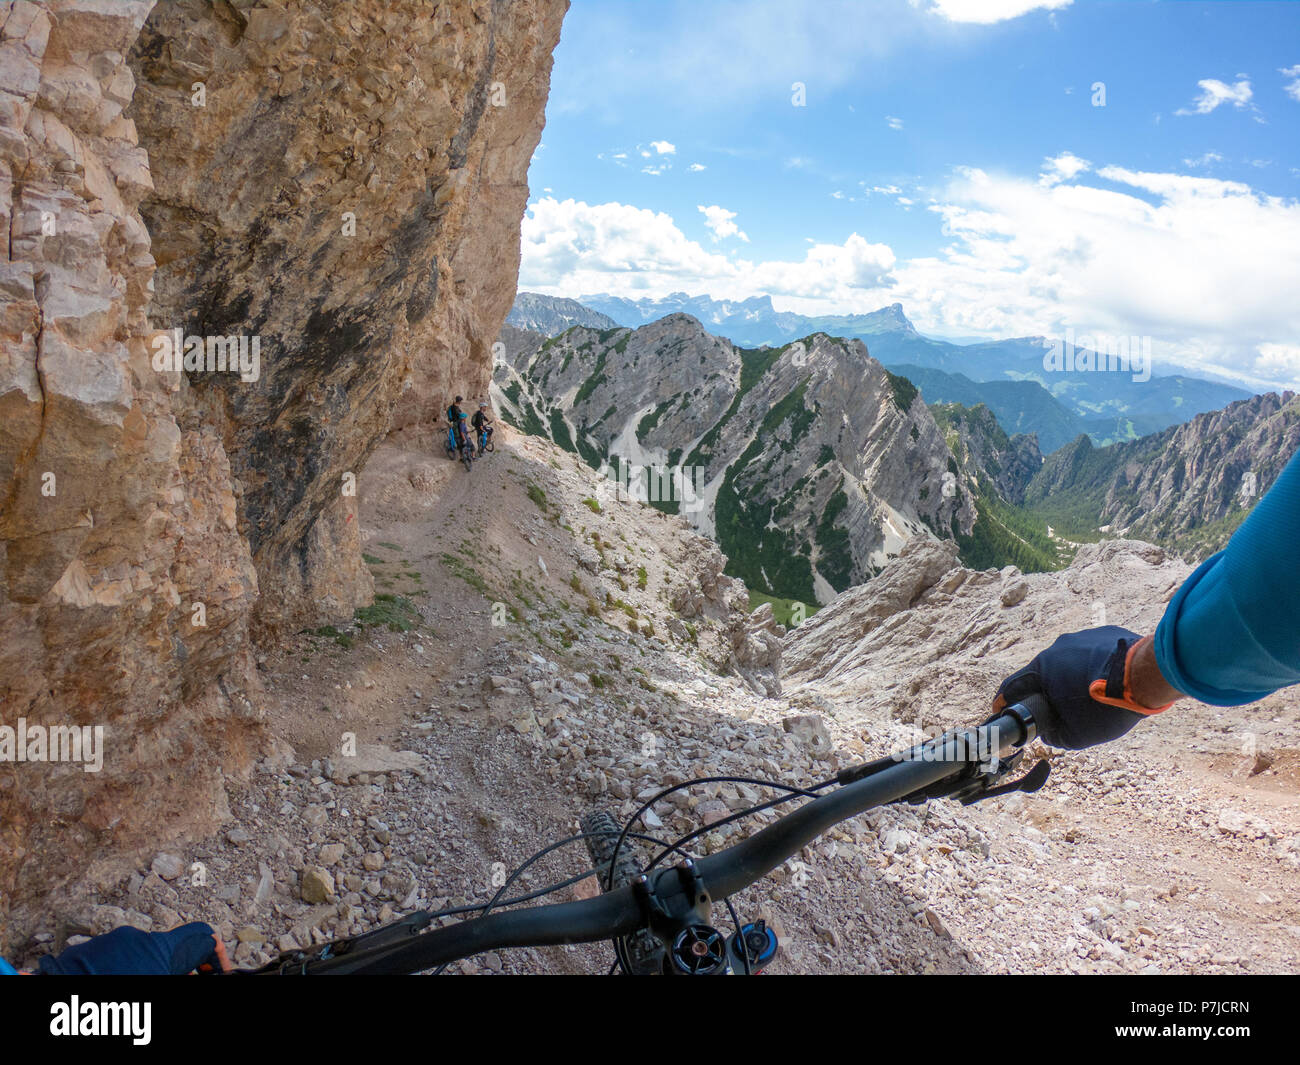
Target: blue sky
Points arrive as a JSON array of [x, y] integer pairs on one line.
[[948, 154]]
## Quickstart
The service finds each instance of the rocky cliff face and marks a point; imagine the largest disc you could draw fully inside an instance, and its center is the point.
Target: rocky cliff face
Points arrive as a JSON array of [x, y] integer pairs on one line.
[[1187, 487], [361, 217], [339, 185], [810, 464], [983, 448]]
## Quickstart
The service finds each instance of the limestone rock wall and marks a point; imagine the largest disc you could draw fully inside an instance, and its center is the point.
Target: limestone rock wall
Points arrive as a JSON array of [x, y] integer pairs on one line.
[[345, 187], [344, 181]]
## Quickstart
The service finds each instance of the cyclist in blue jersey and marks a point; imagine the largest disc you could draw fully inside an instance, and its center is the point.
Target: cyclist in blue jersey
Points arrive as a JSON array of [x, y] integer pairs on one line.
[[482, 422], [454, 415]]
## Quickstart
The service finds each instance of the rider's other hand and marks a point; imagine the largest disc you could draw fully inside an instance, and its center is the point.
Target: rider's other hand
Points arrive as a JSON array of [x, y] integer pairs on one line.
[[127, 951], [1087, 681]]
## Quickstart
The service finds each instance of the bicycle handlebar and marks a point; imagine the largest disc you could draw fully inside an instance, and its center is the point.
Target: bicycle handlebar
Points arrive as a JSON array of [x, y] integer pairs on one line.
[[620, 912]]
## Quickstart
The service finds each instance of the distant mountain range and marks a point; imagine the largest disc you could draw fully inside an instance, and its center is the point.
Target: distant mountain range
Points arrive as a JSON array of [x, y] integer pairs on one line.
[[1027, 407], [814, 463], [1056, 404], [752, 322], [550, 315]]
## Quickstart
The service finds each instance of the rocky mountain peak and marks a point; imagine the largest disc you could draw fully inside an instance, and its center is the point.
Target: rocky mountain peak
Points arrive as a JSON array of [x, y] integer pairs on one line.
[[809, 463], [1188, 486]]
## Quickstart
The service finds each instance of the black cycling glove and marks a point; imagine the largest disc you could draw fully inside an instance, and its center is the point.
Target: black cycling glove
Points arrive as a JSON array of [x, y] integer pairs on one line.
[[1084, 676]]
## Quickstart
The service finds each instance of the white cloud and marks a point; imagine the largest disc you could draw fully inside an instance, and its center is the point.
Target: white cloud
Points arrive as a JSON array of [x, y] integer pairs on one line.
[[888, 190], [1279, 361], [657, 154], [719, 222], [1215, 92], [893, 123], [1208, 158], [1065, 167], [570, 248], [1292, 88], [986, 12], [695, 168], [1207, 268]]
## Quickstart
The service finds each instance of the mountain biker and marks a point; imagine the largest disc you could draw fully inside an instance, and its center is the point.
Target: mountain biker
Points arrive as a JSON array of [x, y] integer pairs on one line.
[[461, 429], [482, 423], [1230, 636], [454, 415], [128, 951]]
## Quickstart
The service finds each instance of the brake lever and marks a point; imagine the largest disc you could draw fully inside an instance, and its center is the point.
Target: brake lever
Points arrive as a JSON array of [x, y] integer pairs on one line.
[[1029, 783], [978, 783]]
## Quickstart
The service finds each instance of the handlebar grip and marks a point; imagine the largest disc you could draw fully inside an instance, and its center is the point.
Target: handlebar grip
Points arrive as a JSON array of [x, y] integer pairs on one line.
[[1029, 711]]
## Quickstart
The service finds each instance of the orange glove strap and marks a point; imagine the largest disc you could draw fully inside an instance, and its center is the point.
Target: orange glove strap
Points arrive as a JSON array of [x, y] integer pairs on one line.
[[1097, 689]]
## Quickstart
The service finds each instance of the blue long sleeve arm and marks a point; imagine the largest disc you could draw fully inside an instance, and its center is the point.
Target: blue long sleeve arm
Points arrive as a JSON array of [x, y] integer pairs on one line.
[[1231, 634]]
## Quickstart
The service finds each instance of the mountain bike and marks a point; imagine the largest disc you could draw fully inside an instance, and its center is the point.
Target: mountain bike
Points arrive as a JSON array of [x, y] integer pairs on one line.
[[485, 440], [465, 450], [659, 916]]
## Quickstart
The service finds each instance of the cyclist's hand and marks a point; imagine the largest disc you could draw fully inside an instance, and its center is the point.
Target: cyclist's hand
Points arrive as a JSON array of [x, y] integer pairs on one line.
[[127, 951], [1085, 678]]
